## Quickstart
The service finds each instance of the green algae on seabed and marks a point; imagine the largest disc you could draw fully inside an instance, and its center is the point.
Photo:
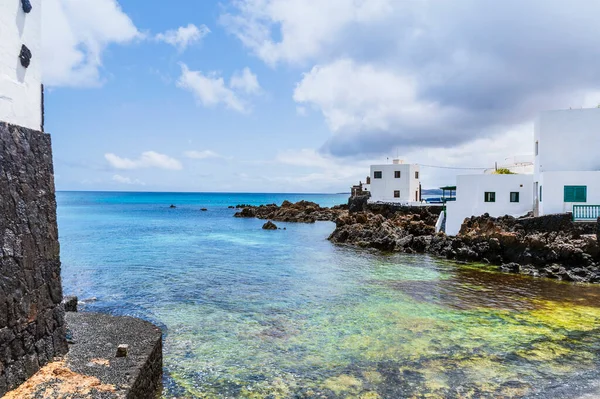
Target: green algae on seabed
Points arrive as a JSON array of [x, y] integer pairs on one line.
[[458, 332]]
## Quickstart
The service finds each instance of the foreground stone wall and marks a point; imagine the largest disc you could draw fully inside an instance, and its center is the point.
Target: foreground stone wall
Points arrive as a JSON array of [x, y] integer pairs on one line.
[[32, 329]]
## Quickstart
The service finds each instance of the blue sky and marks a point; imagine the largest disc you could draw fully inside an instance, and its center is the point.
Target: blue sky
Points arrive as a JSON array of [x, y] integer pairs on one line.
[[302, 95]]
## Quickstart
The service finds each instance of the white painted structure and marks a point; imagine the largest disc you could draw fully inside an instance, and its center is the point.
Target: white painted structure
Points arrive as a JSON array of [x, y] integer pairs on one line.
[[566, 144], [553, 190], [20, 87], [497, 195], [566, 172], [396, 182]]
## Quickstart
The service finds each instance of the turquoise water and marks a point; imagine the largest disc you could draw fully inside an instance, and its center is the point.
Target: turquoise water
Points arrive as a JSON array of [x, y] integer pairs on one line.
[[249, 313]]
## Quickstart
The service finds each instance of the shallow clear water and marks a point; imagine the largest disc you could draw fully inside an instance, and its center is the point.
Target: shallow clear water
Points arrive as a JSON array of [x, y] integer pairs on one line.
[[249, 313]]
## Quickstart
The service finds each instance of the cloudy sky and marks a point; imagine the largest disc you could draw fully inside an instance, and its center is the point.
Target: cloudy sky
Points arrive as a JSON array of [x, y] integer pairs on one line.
[[302, 95]]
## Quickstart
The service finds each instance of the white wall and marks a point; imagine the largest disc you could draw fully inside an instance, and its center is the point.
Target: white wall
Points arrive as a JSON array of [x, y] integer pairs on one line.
[[470, 201], [568, 140], [20, 88], [383, 189], [553, 189]]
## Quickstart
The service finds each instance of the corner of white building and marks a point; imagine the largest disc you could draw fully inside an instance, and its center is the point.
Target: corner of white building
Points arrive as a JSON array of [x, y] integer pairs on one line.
[[21, 75]]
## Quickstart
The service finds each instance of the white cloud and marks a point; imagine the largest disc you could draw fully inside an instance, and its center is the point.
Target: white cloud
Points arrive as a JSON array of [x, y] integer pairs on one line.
[[75, 34], [210, 89], [148, 159], [410, 74], [306, 28], [184, 36], [206, 154], [128, 180], [245, 81]]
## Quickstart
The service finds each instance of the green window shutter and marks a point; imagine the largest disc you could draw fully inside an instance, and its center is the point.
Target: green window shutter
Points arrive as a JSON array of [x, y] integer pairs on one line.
[[575, 193]]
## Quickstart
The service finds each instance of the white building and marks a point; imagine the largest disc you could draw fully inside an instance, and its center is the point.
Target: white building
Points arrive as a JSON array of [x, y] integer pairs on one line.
[[567, 163], [20, 63], [565, 178], [396, 182], [497, 195]]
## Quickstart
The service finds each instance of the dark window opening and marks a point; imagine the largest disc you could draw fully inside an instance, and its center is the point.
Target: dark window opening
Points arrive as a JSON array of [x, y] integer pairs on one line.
[[489, 196], [25, 56], [416, 175], [397, 194], [26, 6], [514, 197], [377, 174], [397, 174]]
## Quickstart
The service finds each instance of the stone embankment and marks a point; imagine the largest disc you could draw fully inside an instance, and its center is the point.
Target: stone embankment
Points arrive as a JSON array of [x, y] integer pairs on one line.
[[301, 212], [549, 246], [110, 357]]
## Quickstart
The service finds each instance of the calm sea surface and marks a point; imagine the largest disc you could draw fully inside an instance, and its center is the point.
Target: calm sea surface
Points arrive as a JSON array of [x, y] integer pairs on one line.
[[249, 313]]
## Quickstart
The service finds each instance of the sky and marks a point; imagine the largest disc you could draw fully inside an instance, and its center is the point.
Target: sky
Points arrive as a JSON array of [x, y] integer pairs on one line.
[[303, 95]]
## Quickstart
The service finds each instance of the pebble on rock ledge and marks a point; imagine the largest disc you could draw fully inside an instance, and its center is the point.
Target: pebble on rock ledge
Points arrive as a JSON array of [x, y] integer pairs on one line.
[[122, 350]]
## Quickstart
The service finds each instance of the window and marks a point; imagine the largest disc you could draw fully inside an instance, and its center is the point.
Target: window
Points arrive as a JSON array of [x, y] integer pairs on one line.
[[514, 197], [397, 194], [489, 196], [537, 148], [575, 193], [397, 174], [377, 174], [540, 193], [416, 175]]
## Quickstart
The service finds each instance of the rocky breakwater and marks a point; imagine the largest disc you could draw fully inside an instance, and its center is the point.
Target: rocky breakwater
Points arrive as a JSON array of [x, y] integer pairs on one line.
[[302, 212]]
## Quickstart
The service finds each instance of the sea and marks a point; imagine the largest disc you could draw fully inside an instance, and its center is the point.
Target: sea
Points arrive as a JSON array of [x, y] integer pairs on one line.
[[277, 314]]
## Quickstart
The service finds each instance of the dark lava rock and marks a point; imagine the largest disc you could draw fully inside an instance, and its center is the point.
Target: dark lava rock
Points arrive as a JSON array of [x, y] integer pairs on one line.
[[172, 206], [549, 246], [231, 207], [269, 226], [204, 209], [300, 212], [70, 303]]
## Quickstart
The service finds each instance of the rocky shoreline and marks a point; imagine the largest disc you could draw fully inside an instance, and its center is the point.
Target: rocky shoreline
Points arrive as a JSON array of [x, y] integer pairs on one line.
[[549, 246], [299, 212]]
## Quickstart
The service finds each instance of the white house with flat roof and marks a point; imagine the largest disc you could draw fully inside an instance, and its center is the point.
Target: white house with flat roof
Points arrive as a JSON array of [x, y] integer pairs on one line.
[[565, 178], [497, 195], [20, 63], [396, 182]]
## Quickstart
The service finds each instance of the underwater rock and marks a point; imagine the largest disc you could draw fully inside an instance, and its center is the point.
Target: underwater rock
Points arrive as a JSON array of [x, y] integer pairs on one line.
[[172, 206], [204, 209]]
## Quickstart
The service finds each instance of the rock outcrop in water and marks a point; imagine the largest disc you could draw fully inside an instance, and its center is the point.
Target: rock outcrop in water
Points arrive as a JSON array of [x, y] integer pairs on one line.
[[269, 226], [301, 212], [388, 228], [548, 246]]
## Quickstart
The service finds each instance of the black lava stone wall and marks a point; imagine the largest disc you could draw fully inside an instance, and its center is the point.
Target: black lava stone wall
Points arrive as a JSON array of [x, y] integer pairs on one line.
[[32, 328]]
